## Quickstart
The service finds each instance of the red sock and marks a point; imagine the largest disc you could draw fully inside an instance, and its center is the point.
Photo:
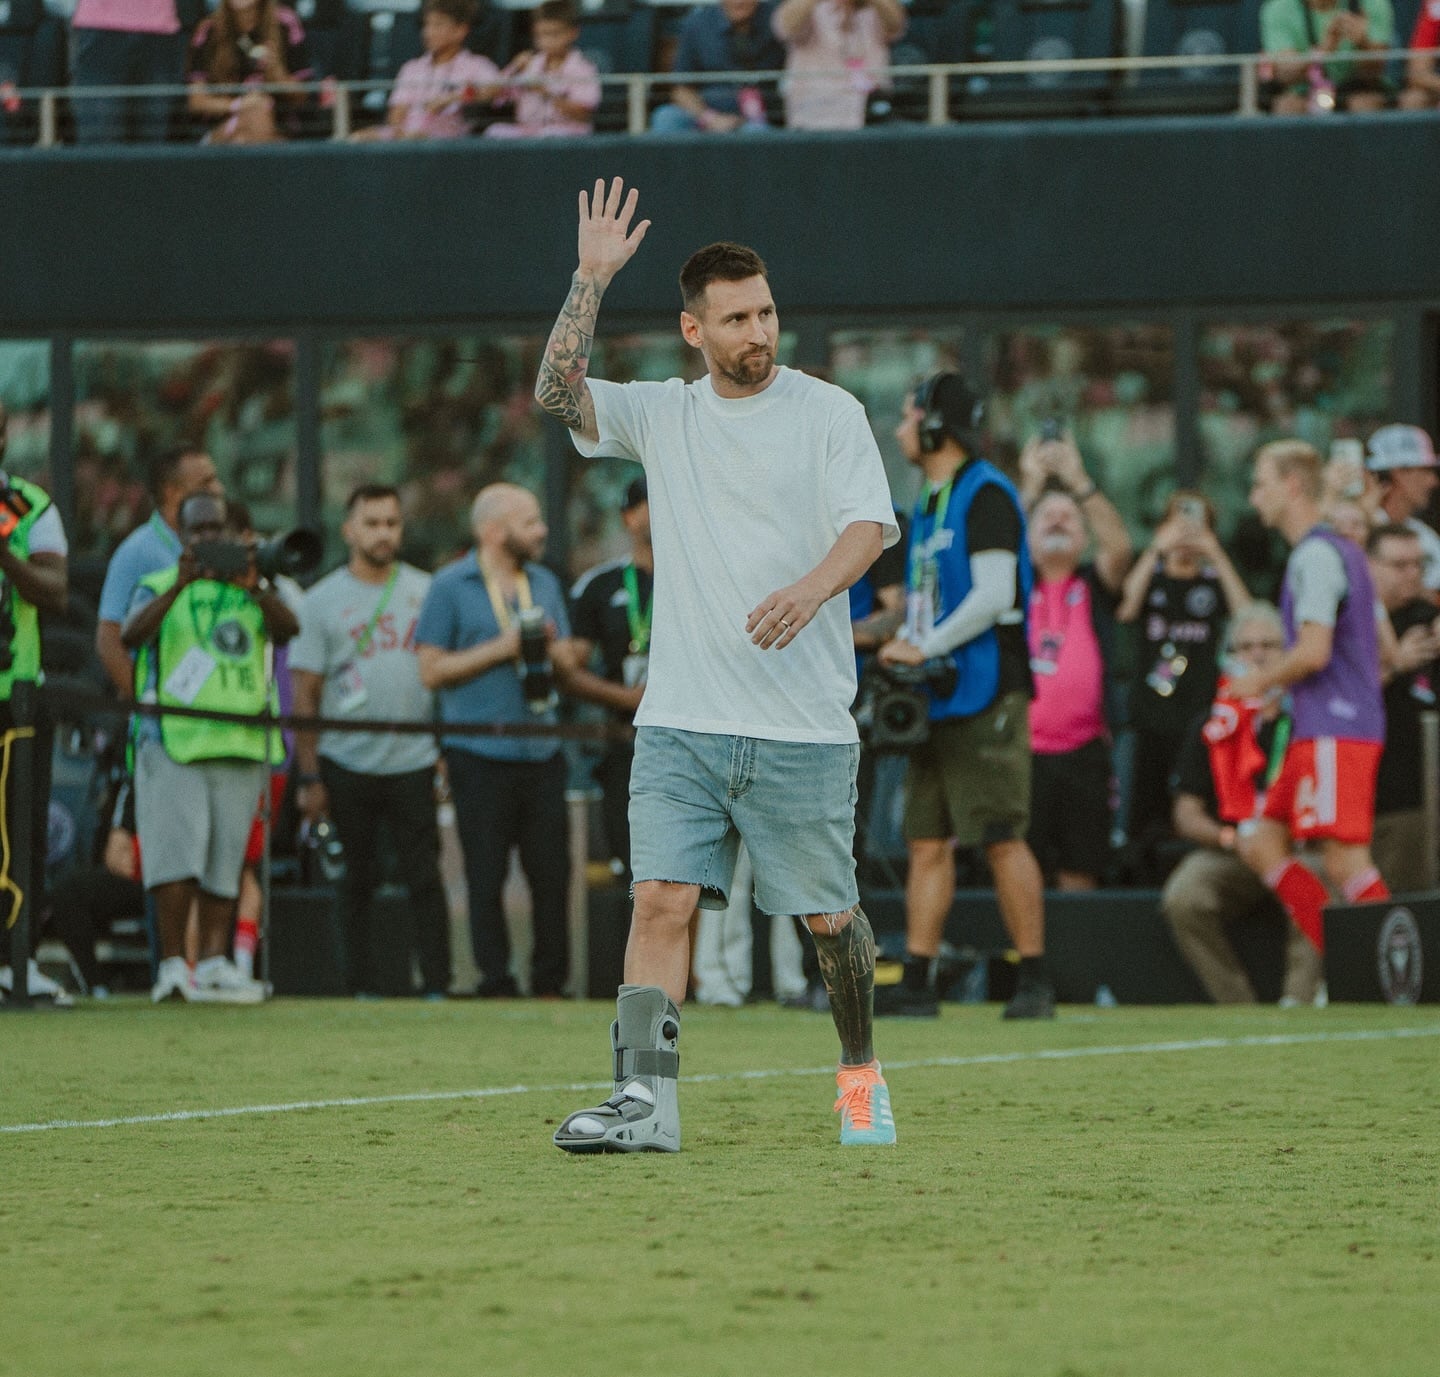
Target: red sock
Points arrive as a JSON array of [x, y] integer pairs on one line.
[[247, 935], [1367, 887], [1304, 899]]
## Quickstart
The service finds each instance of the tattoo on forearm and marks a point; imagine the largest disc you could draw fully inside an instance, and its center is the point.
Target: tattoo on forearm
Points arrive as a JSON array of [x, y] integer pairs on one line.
[[561, 388], [847, 965]]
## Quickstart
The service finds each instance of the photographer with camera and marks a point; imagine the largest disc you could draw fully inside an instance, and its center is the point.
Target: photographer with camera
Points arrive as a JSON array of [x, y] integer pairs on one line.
[[33, 578], [355, 656], [968, 586], [493, 634], [202, 631]]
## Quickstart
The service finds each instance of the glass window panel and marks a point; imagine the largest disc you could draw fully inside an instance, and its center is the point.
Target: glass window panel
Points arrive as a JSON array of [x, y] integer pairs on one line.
[[1112, 386], [134, 398], [25, 392], [439, 418], [1318, 380], [880, 367]]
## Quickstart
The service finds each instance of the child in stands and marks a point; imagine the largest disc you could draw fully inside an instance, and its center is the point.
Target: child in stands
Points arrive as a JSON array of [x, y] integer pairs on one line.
[[556, 88]]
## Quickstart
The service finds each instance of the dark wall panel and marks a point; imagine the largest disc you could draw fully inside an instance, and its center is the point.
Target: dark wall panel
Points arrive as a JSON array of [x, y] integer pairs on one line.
[[1130, 214]]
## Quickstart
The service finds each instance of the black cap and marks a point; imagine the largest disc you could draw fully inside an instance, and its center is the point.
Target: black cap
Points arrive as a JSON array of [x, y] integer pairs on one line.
[[635, 494], [960, 409]]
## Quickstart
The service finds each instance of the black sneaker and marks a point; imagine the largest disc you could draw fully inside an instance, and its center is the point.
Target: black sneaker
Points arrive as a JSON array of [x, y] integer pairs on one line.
[[900, 1001], [1032, 999], [498, 989]]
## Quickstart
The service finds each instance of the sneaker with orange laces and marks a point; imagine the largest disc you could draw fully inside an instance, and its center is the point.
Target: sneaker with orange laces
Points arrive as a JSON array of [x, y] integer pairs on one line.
[[864, 1106]]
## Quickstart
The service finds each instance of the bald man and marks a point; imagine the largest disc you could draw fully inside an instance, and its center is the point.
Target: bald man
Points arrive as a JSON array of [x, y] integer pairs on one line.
[[508, 790]]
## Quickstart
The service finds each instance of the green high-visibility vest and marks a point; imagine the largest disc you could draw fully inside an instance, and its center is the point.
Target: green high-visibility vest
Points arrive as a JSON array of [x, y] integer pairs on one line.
[[25, 639], [220, 626]]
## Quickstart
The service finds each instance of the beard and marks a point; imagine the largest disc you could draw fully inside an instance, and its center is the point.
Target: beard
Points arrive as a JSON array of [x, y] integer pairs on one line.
[[523, 552], [748, 369]]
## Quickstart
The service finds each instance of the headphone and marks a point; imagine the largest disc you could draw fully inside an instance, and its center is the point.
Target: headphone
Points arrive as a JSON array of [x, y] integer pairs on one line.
[[934, 426]]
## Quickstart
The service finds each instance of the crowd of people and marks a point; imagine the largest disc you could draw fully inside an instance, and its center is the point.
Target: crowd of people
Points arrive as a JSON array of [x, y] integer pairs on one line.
[[1124, 773], [248, 62]]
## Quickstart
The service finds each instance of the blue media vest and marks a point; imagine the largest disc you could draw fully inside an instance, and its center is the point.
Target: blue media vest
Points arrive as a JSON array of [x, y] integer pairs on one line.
[[978, 660]]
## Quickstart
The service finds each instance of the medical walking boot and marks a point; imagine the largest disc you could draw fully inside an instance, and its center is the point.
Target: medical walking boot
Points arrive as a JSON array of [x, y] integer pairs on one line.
[[643, 1113]]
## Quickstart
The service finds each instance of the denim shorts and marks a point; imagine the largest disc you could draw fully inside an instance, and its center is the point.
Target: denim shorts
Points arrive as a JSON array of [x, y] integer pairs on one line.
[[694, 796]]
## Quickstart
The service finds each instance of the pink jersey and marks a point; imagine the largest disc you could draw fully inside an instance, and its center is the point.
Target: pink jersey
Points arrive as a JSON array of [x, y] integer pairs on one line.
[[576, 80], [832, 65], [1068, 710], [127, 16], [422, 81]]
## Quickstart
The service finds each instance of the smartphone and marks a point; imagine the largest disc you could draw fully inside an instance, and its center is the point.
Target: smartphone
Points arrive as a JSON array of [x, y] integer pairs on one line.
[[1051, 429], [1348, 458], [1192, 509]]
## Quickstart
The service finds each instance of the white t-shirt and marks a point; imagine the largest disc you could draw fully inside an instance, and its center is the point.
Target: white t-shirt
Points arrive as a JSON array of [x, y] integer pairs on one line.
[[746, 497]]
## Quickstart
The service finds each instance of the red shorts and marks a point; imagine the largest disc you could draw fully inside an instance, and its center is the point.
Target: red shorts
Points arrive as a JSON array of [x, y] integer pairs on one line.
[[1326, 790], [255, 847]]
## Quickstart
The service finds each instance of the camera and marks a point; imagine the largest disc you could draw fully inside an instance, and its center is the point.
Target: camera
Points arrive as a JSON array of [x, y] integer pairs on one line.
[[893, 708], [292, 552], [537, 677], [322, 855]]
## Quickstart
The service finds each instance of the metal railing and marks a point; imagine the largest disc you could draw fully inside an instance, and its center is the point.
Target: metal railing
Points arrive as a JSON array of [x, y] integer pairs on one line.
[[330, 108]]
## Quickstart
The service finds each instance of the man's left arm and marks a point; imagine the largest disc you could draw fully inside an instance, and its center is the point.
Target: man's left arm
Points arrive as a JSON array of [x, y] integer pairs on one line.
[[779, 618]]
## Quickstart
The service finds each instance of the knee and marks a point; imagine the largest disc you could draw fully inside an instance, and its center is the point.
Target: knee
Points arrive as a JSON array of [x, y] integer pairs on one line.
[[660, 905], [931, 854], [829, 924]]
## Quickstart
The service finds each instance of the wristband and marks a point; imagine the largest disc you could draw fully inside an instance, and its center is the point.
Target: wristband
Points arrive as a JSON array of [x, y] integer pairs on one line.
[[302, 780]]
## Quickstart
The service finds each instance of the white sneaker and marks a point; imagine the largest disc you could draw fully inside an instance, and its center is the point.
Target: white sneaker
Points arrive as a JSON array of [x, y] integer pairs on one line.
[[38, 985], [172, 981], [219, 980]]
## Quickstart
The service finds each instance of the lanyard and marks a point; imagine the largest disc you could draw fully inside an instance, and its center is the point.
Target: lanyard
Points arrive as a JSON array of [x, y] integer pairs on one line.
[[638, 618], [497, 601], [157, 524], [1278, 743], [921, 528], [363, 644]]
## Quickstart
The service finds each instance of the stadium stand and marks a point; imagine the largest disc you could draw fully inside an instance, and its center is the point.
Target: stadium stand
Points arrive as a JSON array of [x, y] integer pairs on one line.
[[32, 53], [1191, 28]]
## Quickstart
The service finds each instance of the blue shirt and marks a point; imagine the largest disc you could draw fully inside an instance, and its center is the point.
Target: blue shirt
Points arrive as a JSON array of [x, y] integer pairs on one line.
[[457, 614], [146, 550], [709, 43]]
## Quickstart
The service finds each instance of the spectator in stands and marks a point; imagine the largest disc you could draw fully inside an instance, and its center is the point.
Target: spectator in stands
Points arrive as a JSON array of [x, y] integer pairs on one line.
[[1404, 461], [256, 44], [178, 473], [1229, 759], [732, 36], [125, 43], [1325, 790], [508, 791], [555, 88], [432, 92], [612, 605], [1422, 77], [1307, 32], [969, 578], [33, 578], [1400, 844], [836, 52], [1071, 636], [1179, 595], [355, 656], [203, 637]]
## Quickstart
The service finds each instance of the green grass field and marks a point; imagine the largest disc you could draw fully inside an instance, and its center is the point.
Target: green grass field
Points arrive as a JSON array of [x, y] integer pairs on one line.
[[1245, 1206]]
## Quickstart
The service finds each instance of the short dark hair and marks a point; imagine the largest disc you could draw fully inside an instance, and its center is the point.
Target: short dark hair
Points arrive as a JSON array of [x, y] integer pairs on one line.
[[369, 492], [166, 465], [556, 12], [461, 11], [1388, 530], [722, 262]]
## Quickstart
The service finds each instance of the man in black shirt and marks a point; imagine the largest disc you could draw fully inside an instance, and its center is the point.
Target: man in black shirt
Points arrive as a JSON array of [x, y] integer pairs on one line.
[[1397, 564], [968, 583], [1229, 758], [612, 608]]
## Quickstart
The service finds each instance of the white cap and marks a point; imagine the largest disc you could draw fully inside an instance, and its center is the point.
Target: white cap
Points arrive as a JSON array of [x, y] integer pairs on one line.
[[1400, 447]]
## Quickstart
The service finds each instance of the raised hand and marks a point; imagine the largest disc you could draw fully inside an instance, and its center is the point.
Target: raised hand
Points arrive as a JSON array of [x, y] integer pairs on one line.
[[607, 243]]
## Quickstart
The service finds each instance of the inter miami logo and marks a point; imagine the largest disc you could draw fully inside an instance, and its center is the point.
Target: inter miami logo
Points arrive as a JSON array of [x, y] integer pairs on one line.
[[232, 639], [1399, 958]]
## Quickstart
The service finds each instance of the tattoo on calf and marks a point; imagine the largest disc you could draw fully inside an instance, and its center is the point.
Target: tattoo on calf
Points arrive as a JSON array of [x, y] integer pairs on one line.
[[846, 949], [560, 387]]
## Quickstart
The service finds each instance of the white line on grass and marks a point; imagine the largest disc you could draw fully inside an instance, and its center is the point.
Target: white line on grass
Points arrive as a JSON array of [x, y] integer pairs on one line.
[[177, 1116]]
